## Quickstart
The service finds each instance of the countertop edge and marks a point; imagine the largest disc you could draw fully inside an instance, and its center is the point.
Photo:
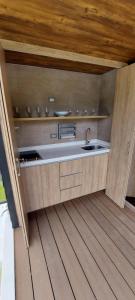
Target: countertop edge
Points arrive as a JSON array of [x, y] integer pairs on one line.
[[63, 158]]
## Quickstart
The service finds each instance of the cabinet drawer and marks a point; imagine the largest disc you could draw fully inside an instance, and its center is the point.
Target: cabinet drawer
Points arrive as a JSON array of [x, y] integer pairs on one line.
[[70, 167], [70, 181], [71, 193]]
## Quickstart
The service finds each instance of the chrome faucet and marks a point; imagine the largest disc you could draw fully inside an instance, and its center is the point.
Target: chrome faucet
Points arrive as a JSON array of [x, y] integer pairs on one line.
[[88, 130]]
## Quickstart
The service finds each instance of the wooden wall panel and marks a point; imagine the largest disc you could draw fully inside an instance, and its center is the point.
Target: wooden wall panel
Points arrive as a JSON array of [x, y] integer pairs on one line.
[[94, 173], [53, 63], [131, 180], [106, 104], [7, 129], [123, 135]]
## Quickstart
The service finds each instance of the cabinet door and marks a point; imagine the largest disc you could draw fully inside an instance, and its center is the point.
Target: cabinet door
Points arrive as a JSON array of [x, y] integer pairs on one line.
[[32, 188], [122, 136], [50, 184], [94, 173], [131, 180], [7, 129]]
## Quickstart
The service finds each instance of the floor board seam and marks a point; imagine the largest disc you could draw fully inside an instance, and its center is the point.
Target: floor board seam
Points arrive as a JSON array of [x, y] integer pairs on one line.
[[109, 235], [118, 217], [45, 257], [76, 256], [128, 212], [113, 225], [90, 253], [104, 249], [124, 211], [31, 275], [61, 258]]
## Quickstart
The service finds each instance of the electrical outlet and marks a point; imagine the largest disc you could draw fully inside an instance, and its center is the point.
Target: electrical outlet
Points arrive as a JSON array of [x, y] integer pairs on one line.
[[51, 99], [53, 135]]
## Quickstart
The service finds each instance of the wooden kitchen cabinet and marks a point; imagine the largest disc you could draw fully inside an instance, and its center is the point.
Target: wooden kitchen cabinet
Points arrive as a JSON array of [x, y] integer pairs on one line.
[[32, 187], [122, 136], [83, 176], [40, 186], [50, 184], [94, 173]]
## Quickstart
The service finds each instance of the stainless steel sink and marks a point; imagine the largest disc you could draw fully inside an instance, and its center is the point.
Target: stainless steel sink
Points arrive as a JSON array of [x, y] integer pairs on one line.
[[93, 147]]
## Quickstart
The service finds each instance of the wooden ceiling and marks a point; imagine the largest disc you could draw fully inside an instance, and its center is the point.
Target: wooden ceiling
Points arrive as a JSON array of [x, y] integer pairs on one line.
[[54, 63], [98, 28]]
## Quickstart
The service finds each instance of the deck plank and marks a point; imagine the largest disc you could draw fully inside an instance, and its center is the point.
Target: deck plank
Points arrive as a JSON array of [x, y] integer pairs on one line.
[[95, 276], [77, 278], [117, 212], [23, 283], [60, 283], [78, 250], [130, 213], [40, 276], [113, 277], [119, 260], [122, 228], [111, 231]]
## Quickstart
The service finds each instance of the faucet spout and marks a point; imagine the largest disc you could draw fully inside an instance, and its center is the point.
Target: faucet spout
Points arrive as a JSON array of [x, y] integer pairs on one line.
[[88, 130]]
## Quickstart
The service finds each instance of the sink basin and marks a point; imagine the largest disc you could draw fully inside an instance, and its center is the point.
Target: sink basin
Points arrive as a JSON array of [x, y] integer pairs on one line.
[[93, 147], [29, 156]]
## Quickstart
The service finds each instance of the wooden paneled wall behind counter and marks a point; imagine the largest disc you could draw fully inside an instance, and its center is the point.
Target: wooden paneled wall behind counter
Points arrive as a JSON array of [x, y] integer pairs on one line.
[[31, 85], [39, 133], [106, 104]]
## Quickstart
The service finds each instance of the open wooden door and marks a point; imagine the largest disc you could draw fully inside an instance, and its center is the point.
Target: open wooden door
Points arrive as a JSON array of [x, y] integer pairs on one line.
[[123, 135], [7, 128]]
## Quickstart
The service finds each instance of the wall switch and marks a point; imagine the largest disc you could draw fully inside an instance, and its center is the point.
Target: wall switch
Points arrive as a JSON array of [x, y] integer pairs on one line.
[[53, 135], [51, 99]]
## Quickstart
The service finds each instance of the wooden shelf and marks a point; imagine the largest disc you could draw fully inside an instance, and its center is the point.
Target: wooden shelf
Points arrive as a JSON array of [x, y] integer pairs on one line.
[[42, 119]]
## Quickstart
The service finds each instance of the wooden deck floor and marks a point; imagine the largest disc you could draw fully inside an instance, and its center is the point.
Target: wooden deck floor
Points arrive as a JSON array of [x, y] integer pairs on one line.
[[82, 249]]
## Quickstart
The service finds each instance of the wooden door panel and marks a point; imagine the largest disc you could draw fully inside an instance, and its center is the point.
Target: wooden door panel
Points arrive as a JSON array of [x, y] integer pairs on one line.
[[7, 128], [50, 184], [32, 188], [88, 167], [94, 173], [100, 172], [40, 186], [122, 136]]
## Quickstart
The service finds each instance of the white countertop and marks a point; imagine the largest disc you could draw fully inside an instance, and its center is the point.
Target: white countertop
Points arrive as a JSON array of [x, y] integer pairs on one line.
[[63, 151]]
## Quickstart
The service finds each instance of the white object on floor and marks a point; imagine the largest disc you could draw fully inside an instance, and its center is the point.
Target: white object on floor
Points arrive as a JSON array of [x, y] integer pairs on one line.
[[7, 284]]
